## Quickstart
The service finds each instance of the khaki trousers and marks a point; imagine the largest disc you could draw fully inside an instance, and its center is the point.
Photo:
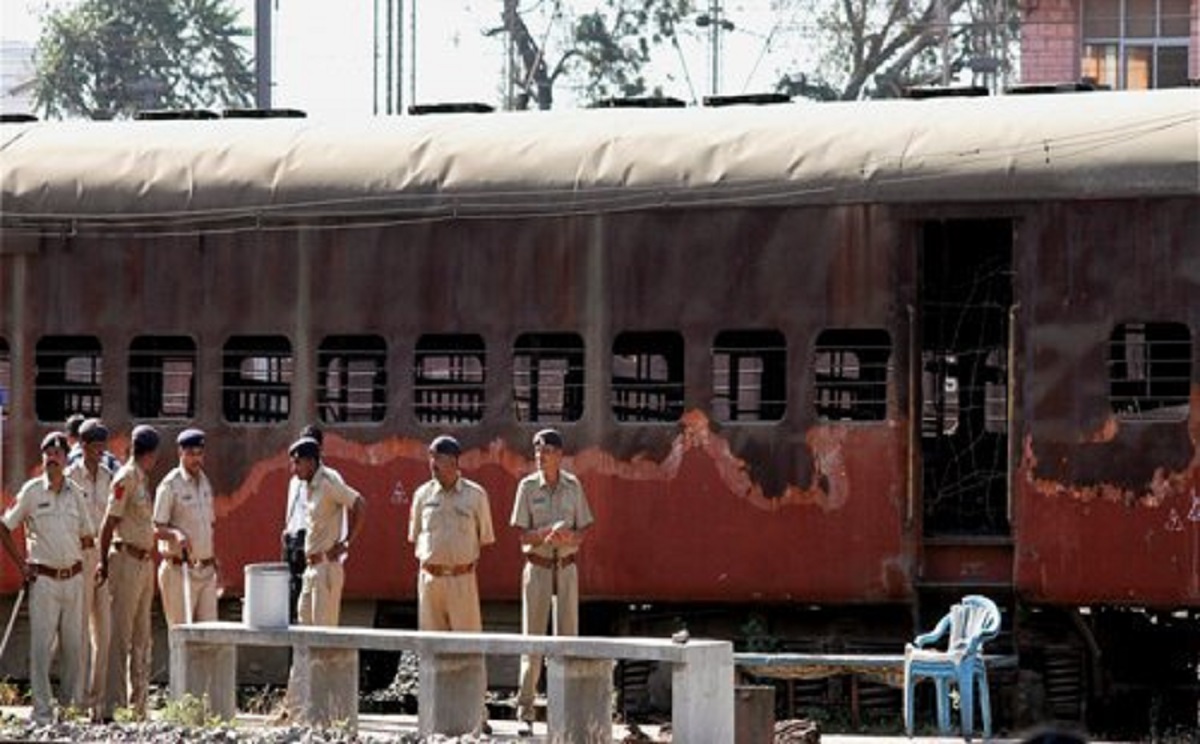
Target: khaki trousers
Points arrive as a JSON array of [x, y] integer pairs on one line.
[[321, 594], [131, 584], [56, 615], [448, 602], [204, 593], [97, 610], [537, 593]]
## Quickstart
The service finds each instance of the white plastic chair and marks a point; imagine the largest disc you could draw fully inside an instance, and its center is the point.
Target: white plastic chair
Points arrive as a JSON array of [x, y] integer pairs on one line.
[[971, 623]]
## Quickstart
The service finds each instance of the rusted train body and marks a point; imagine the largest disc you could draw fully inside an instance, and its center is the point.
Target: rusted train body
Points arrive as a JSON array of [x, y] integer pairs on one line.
[[820, 367]]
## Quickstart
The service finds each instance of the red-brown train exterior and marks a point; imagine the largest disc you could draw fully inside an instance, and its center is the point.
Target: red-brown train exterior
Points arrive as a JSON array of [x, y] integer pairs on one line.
[[847, 356]]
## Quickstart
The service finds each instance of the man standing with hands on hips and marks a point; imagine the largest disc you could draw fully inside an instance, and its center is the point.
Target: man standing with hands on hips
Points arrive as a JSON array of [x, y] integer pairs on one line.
[[553, 514]]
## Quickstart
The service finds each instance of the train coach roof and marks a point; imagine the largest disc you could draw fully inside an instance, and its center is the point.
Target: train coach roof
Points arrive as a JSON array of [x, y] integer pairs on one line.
[[1009, 148]]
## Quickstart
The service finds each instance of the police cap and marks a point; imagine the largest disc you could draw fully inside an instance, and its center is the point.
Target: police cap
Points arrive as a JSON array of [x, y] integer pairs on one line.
[[74, 421], [189, 438], [548, 438], [445, 445], [55, 440], [93, 430], [145, 439], [312, 431], [305, 448]]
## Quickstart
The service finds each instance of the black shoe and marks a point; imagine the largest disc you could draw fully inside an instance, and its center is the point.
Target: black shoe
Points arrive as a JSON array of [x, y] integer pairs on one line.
[[525, 729], [486, 728]]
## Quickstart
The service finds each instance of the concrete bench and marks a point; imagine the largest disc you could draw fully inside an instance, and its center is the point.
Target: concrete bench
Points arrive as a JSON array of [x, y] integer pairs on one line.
[[324, 682]]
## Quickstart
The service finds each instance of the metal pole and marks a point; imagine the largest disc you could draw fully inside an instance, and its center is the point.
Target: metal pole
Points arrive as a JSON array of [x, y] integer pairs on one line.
[[262, 53], [714, 12], [412, 52]]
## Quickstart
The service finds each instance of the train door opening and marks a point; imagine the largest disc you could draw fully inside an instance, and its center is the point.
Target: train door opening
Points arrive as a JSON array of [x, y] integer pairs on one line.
[[965, 296]]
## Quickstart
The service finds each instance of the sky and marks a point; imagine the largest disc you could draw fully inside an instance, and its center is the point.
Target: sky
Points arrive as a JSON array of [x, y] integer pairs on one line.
[[323, 56]]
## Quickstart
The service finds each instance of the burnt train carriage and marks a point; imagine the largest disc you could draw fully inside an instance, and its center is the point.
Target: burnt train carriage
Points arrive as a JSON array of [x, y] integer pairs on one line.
[[820, 366]]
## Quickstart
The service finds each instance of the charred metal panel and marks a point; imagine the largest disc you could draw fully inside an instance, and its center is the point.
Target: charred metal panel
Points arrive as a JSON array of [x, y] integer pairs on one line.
[[691, 509], [1108, 504]]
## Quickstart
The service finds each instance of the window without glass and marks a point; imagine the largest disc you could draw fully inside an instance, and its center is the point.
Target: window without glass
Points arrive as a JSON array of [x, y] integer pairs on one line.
[[68, 377], [1150, 370], [448, 379], [352, 379], [851, 369], [548, 377], [647, 376], [256, 376], [1136, 44], [749, 376], [162, 377]]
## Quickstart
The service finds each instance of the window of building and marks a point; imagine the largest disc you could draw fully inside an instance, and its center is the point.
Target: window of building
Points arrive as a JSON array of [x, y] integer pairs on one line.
[[1136, 44], [749, 376], [1150, 370], [257, 379], [5, 378], [851, 370], [647, 376], [162, 377], [352, 379], [448, 379], [69, 372], [548, 377]]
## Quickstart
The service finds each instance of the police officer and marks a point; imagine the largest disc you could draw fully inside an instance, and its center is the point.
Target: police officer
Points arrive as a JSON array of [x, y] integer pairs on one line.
[[552, 513], [294, 531], [126, 563], [94, 478], [183, 523], [332, 508], [450, 521], [57, 530]]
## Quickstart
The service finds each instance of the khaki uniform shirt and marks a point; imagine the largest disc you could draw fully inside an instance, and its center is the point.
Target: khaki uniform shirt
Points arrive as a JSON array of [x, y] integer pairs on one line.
[[186, 503], [328, 498], [54, 522], [131, 501], [449, 525], [95, 489], [539, 505]]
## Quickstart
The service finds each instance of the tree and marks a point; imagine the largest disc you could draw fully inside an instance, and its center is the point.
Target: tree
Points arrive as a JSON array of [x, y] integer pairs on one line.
[[111, 58], [877, 48], [606, 48]]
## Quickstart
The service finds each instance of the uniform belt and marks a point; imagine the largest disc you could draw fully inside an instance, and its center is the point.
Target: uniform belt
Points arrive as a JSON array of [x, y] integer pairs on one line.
[[202, 563], [62, 574], [537, 560], [142, 554], [447, 569]]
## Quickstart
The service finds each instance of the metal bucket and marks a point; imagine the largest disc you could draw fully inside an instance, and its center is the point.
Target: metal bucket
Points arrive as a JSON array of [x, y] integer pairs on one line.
[[266, 602]]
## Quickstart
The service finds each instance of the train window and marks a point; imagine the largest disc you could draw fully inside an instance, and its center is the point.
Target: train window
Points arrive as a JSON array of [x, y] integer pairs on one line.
[[5, 378], [352, 379], [548, 377], [256, 376], [448, 379], [162, 377], [647, 376], [68, 377], [749, 376], [1150, 371], [851, 372]]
